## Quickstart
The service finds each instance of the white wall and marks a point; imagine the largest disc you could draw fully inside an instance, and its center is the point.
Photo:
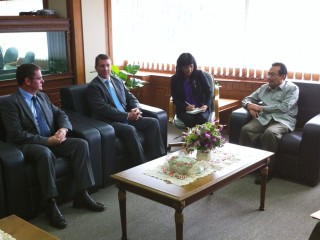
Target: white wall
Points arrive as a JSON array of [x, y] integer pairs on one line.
[[59, 6], [94, 36]]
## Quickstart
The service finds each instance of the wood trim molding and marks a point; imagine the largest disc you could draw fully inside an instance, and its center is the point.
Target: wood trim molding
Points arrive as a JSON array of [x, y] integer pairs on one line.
[[33, 23], [108, 24], [45, 4], [74, 12]]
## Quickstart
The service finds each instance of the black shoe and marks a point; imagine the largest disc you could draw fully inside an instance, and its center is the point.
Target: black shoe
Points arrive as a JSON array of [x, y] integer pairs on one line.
[[84, 200], [258, 179], [54, 215]]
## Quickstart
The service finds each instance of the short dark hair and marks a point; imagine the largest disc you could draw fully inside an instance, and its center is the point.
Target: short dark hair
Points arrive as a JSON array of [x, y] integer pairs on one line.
[[185, 59], [26, 71], [101, 57], [283, 68]]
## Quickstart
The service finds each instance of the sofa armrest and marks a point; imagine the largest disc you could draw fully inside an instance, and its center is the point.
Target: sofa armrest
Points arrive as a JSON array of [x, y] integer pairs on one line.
[[310, 151], [161, 115], [92, 136], [238, 119], [108, 143], [3, 208], [14, 180]]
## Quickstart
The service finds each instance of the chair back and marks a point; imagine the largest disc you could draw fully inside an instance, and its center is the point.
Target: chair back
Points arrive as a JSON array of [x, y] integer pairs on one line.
[[11, 55], [214, 104], [75, 98], [3, 134], [1, 58], [308, 103], [29, 58]]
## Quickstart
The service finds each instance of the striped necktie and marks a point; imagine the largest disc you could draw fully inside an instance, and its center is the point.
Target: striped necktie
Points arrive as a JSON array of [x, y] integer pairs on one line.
[[114, 96], [43, 126]]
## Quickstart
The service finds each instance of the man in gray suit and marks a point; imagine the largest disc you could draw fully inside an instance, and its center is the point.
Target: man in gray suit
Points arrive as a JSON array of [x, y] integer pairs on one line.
[[274, 109], [111, 102], [40, 130]]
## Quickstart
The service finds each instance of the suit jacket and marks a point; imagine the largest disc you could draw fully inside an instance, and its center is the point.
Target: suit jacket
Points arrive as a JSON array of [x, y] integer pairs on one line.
[[20, 124], [200, 90], [102, 105]]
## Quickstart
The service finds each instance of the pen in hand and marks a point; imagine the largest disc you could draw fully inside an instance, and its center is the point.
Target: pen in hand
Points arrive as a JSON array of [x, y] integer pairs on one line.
[[190, 107]]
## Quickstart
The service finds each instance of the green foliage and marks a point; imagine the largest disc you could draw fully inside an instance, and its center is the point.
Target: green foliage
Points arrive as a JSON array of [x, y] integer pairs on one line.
[[130, 82], [133, 69], [217, 85]]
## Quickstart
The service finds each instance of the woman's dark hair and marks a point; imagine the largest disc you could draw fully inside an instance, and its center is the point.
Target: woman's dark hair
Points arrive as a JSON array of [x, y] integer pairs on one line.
[[185, 59], [26, 71], [283, 68]]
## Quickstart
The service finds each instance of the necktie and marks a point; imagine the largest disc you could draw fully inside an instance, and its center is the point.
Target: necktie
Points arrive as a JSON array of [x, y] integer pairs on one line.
[[114, 96], [43, 126]]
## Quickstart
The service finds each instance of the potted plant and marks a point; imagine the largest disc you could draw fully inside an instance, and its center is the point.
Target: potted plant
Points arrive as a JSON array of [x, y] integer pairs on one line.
[[127, 76], [203, 138]]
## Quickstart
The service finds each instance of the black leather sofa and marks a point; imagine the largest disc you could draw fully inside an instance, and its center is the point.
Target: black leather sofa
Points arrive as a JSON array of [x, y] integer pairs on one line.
[[74, 102], [3, 207], [298, 157], [20, 192]]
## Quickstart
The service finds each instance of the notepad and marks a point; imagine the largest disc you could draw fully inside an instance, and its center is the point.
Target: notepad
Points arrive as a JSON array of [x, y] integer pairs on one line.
[[195, 111], [315, 214]]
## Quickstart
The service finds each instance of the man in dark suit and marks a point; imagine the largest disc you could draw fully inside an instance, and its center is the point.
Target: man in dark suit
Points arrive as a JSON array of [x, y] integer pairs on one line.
[[40, 129], [111, 102]]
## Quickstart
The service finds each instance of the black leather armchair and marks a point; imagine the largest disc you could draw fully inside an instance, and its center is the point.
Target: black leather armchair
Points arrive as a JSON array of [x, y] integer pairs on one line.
[[116, 158], [3, 207], [298, 157], [20, 192]]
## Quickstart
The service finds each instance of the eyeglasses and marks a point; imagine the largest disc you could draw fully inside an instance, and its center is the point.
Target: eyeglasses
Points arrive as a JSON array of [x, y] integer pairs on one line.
[[271, 74], [37, 78]]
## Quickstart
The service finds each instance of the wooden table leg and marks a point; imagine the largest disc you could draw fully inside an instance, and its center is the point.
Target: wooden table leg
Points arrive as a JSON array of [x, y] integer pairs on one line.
[[178, 216], [264, 176], [123, 213]]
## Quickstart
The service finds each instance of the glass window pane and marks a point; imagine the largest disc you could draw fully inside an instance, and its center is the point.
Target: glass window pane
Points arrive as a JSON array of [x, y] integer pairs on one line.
[[46, 49], [219, 33], [13, 7]]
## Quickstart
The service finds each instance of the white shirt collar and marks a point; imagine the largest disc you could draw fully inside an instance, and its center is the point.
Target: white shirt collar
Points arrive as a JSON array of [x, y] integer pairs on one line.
[[103, 80]]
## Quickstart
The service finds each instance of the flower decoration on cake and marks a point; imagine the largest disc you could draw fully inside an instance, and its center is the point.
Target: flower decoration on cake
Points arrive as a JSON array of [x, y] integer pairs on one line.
[[5, 236], [183, 166], [204, 137]]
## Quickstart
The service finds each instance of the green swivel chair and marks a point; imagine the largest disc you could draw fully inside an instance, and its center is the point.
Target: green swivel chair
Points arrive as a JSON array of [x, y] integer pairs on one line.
[[11, 56], [29, 58]]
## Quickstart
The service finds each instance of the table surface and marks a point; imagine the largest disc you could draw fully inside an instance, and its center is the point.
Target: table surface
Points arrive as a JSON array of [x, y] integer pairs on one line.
[[225, 103], [251, 159], [21, 229]]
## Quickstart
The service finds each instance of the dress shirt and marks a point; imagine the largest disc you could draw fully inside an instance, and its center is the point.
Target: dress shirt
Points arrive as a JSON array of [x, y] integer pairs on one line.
[[28, 98], [279, 104], [113, 93]]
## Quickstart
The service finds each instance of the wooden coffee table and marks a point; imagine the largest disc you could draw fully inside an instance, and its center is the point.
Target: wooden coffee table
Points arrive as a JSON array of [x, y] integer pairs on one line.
[[178, 197], [21, 229]]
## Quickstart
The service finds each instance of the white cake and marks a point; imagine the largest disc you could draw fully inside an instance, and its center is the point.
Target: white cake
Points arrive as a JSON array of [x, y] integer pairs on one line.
[[5, 236], [181, 164]]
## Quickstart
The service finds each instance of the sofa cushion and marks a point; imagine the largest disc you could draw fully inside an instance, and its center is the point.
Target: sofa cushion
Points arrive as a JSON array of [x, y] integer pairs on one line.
[[290, 142]]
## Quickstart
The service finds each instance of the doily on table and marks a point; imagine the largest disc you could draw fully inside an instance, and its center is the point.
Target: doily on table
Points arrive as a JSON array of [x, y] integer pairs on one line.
[[199, 169]]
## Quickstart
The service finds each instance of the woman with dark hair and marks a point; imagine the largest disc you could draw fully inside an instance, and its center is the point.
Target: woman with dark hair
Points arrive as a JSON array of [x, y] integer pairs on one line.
[[190, 90]]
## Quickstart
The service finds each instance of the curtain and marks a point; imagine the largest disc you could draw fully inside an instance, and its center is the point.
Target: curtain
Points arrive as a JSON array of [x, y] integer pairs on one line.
[[13, 7], [221, 33]]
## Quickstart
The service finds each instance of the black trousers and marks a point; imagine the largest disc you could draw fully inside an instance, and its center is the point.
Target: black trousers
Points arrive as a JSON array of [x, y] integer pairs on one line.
[[127, 132], [44, 158], [191, 120]]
